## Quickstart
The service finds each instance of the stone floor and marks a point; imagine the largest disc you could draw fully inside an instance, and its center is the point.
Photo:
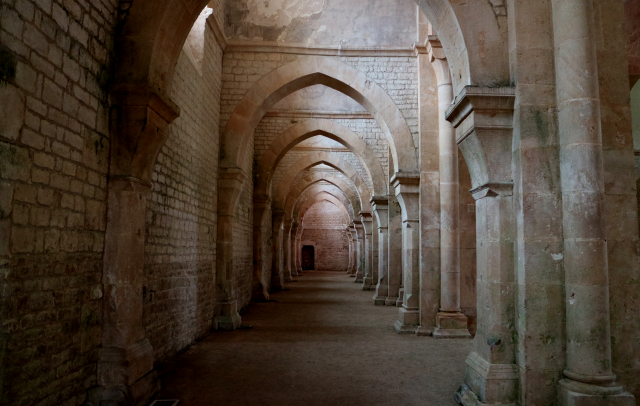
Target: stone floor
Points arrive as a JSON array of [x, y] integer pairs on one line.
[[322, 343]]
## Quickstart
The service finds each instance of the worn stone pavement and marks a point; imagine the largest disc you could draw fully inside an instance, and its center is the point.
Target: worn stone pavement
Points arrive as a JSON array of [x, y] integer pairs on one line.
[[322, 343]]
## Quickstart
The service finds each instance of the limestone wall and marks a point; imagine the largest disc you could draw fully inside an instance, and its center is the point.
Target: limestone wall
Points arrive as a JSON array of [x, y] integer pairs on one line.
[[325, 225], [181, 224], [54, 149]]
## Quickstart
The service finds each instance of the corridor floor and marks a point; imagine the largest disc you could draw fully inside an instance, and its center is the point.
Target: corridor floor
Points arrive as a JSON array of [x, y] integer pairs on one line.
[[322, 343]]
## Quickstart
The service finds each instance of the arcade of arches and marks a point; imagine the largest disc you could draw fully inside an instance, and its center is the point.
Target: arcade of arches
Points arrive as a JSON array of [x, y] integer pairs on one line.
[[167, 165]]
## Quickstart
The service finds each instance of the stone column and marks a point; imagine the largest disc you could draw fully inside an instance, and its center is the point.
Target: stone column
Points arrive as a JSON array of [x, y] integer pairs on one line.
[[286, 249], [450, 321], [277, 274], [381, 211], [293, 252], [367, 223], [139, 122], [483, 118], [299, 250], [395, 250], [354, 250], [589, 375], [260, 206], [429, 189], [360, 251], [407, 188], [226, 316], [348, 236], [374, 255], [126, 357]]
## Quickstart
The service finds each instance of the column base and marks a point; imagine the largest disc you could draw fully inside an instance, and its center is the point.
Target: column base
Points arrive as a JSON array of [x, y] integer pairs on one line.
[[400, 297], [424, 331], [465, 397], [379, 300], [487, 383], [574, 393], [408, 320], [228, 318], [140, 393], [126, 376], [451, 325], [287, 279], [358, 280], [366, 283], [391, 301]]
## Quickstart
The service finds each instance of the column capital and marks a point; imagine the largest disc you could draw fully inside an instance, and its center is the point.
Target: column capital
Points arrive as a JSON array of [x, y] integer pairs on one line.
[[483, 119], [407, 186], [434, 48], [379, 201], [367, 222], [492, 189], [497, 102], [381, 210]]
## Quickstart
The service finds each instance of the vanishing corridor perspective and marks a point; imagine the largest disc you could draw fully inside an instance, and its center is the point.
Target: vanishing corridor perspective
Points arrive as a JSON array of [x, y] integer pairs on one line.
[[319, 202]]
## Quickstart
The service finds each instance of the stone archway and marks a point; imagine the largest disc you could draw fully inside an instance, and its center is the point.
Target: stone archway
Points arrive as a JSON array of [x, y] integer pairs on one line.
[[309, 180], [329, 129], [315, 159], [312, 70], [299, 212]]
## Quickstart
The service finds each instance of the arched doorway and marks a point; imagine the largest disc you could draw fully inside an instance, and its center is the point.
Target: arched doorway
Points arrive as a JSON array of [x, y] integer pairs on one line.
[[308, 258]]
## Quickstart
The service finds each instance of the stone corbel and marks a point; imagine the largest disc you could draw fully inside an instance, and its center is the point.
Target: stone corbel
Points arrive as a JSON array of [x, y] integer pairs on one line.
[[140, 117], [492, 189], [380, 206], [434, 48], [483, 119], [367, 220], [407, 187]]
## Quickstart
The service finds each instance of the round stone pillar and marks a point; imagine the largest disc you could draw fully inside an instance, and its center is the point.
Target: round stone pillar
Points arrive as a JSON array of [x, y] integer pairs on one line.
[[588, 373]]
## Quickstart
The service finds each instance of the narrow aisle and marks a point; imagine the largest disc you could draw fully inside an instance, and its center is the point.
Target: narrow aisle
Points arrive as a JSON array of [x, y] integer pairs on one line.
[[322, 343]]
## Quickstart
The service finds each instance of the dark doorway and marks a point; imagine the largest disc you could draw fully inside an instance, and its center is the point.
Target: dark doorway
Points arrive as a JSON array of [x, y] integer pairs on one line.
[[308, 258]]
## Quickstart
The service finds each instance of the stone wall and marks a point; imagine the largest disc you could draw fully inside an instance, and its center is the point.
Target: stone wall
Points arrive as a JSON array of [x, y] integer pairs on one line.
[[325, 225], [54, 146], [181, 225]]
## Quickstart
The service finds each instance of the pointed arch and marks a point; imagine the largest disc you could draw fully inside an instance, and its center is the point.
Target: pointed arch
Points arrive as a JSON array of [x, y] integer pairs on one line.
[[316, 159], [327, 128], [313, 178], [308, 71], [309, 203], [321, 192]]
